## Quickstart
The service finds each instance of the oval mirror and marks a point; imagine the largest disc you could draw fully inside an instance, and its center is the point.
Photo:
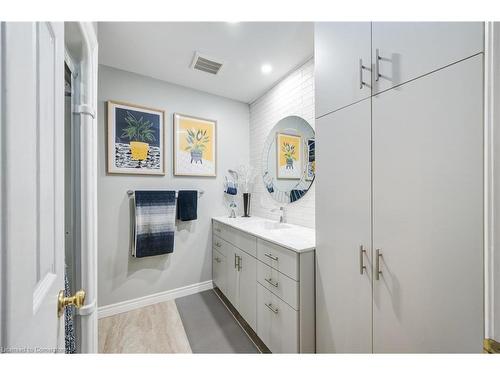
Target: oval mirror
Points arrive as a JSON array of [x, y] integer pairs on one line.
[[288, 160]]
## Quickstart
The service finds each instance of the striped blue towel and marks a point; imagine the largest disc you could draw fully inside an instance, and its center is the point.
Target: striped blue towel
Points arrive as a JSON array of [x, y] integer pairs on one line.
[[154, 223]]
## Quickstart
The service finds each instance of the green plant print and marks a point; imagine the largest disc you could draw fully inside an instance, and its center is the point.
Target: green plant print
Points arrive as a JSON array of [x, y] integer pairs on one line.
[[138, 129], [289, 154], [197, 143]]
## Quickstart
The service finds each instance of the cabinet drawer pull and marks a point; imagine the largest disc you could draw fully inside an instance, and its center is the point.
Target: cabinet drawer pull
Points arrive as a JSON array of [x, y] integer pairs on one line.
[[217, 230], [270, 307], [377, 65], [217, 259], [270, 281], [378, 272], [362, 266], [361, 67], [218, 244], [271, 256]]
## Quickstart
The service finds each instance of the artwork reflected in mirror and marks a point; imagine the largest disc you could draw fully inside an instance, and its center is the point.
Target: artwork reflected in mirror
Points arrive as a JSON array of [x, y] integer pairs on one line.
[[288, 160]]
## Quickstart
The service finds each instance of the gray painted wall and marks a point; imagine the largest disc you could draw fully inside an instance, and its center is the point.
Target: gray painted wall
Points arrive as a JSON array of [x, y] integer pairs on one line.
[[122, 277]]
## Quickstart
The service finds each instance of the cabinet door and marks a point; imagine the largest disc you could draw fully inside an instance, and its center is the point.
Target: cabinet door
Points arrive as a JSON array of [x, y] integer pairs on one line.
[[278, 323], [408, 50], [428, 212], [232, 275], [343, 224], [219, 271], [247, 293], [338, 49]]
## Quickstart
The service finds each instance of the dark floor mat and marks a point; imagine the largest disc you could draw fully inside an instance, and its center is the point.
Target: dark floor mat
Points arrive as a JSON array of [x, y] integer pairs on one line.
[[210, 327]]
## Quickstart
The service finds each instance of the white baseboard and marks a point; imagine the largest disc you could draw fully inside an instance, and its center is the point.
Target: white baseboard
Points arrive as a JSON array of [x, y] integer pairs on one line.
[[132, 304]]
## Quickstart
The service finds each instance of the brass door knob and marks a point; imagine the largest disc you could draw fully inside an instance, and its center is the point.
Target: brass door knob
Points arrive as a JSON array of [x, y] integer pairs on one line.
[[76, 300]]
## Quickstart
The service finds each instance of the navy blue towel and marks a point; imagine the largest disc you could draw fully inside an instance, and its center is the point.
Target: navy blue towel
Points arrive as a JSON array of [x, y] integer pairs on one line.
[[187, 205], [154, 223]]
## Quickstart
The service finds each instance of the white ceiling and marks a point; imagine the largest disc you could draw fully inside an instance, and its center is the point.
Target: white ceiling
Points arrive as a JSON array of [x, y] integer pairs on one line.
[[164, 50]]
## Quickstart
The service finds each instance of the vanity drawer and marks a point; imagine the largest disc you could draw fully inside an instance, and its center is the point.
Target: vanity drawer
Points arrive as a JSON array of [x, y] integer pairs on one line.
[[277, 323], [219, 271], [241, 240], [284, 260], [279, 284], [220, 245]]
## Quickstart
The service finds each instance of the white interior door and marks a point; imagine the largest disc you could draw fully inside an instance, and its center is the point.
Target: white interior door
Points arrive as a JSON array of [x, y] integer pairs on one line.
[[428, 212], [343, 224], [33, 183], [408, 50], [339, 49]]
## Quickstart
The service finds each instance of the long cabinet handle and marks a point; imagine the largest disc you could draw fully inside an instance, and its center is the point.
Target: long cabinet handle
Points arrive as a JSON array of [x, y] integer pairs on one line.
[[239, 263], [378, 255], [270, 307], [377, 65], [362, 266], [236, 261], [273, 283], [361, 67], [271, 256]]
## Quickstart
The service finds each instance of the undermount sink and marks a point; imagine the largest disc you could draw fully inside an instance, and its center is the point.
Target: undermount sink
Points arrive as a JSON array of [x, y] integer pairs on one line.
[[271, 225], [275, 225]]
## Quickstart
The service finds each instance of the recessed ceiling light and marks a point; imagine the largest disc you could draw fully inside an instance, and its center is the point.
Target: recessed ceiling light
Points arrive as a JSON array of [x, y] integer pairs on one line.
[[266, 68]]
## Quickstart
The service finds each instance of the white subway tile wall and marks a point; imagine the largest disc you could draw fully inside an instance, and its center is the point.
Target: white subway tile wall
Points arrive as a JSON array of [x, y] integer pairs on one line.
[[294, 95]]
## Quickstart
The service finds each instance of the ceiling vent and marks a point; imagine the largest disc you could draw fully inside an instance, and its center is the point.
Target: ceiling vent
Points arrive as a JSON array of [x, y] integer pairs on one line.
[[205, 64]]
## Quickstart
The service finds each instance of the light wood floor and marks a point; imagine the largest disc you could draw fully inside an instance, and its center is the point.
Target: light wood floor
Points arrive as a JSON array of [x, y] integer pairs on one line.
[[152, 329]]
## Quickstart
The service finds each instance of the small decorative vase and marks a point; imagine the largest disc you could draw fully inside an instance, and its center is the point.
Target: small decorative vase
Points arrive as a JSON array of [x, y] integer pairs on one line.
[[246, 204], [139, 150], [289, 163], [196, 156]]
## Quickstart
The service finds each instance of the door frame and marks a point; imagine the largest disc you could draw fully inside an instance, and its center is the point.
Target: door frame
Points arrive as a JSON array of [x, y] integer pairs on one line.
[[87, 110], [2, 185], [492, 180]]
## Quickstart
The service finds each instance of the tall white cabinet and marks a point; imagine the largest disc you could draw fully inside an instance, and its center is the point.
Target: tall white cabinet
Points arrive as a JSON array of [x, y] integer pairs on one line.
[[400, 192]]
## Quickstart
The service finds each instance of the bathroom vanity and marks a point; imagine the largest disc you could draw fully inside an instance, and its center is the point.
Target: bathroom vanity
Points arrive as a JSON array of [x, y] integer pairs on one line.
[[266, 271]]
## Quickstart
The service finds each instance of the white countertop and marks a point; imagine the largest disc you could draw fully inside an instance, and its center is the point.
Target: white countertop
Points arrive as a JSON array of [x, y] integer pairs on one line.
[[293, 237]]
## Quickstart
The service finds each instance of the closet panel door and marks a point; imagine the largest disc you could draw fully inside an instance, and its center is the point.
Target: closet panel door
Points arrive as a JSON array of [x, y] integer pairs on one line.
[[343, 224], [428, 212], [338, 49], [409, 50]]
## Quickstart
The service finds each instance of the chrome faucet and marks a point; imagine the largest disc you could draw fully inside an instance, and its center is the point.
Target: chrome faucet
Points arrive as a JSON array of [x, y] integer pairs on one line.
[[282, 213]]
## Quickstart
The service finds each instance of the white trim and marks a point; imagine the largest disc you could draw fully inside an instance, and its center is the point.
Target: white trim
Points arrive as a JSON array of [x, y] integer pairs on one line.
[[121, 307], [87, 82], [2, 192], [492, 177]]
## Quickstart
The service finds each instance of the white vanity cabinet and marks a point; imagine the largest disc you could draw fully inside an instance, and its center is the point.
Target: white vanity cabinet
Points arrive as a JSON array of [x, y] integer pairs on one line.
[[271, 285], [233, 272]]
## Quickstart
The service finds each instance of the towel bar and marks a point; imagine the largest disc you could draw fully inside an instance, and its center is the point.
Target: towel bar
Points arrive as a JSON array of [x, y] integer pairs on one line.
[[130, 193]]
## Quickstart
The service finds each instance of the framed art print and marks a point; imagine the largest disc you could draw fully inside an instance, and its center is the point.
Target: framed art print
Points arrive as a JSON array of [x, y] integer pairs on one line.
[[289, 151], [136, 139], [194, 146]]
